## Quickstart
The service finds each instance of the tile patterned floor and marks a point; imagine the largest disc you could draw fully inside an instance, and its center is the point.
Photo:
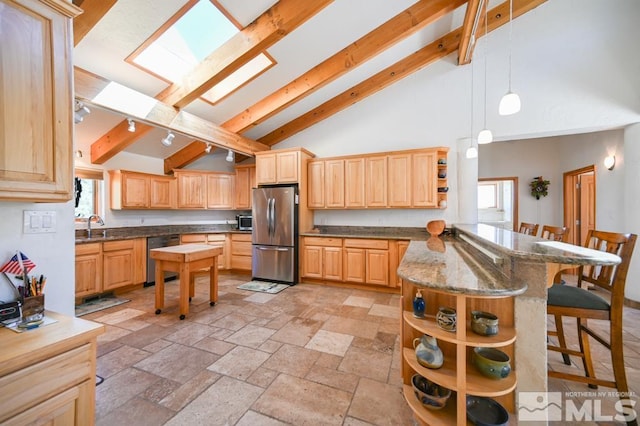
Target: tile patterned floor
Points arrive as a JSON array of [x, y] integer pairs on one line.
[[310, 355]]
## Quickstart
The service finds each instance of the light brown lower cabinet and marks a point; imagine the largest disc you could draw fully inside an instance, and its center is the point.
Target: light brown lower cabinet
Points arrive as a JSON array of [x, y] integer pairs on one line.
[[241, 252], [110, 265], [322, 258]]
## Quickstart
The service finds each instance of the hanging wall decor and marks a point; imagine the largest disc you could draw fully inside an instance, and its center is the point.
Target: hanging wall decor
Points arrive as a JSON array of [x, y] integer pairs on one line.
[[539, 187]]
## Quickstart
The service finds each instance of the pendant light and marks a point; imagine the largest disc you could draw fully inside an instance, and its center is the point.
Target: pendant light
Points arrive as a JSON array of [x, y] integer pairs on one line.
[[510, 103], [485, 135], [472, 151]]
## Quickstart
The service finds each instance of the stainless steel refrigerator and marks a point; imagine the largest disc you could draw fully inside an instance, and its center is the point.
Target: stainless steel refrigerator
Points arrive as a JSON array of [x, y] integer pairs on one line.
[[275, 234]]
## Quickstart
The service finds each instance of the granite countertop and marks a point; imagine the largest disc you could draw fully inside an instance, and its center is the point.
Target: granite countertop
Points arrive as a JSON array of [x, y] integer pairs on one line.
[[446, 266], [535, 249], [101, 234], [372, 232]]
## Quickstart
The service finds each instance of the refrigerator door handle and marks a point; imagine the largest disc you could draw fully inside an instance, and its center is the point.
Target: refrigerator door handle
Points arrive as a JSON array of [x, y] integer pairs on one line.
[[273, 215], [268, 213], [271, 249]]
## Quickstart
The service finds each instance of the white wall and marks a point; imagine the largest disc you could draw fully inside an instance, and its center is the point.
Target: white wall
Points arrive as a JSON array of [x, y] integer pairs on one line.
[[631, 194]]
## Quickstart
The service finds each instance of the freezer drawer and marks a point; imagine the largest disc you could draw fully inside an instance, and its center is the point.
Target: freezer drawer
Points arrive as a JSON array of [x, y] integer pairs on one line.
[[274, 263]]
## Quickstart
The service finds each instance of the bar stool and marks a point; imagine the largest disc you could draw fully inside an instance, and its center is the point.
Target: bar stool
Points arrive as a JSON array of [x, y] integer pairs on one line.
[[528, 228], [555, 233], [582, 304]]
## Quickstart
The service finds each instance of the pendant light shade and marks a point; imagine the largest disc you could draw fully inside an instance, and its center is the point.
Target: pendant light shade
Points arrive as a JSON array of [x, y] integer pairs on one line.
[[485, 136], [510, 103], [472, 152]]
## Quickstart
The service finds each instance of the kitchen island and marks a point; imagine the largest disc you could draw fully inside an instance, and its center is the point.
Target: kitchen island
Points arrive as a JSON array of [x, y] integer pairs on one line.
[[485, 268]]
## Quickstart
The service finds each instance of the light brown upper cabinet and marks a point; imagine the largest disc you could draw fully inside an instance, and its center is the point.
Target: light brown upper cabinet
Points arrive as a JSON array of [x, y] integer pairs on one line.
[[334, 183], [219, 189], [399, 180], [376, 181], [192, 189], [316, 184], [281, 166], [245, 180], [354, 183], [36, 100], [424, 185], [163, 192], [134, 190]]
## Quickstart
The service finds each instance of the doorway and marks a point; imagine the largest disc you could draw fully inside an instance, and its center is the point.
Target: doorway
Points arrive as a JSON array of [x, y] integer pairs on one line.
[[498, 202], [579, 203]]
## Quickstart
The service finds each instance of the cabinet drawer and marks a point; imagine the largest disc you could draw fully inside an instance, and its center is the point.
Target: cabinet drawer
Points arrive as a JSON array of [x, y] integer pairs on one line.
[[241, 237], [324, 242], [241, 248], [91, 248], [241, 262], [193, 238], [118, 245], [216, 238], [52, 376], [362, 243]]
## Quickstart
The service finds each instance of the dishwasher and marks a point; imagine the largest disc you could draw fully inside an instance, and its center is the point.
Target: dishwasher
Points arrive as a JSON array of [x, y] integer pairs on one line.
[[158, 242]]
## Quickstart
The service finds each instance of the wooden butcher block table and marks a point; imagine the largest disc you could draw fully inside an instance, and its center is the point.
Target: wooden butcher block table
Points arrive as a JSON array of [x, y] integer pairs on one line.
[[186, 259]]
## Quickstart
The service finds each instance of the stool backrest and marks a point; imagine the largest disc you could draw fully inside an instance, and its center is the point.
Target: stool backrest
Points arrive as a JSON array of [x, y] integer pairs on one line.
[[555, 233], [528, 228], [611, 277]]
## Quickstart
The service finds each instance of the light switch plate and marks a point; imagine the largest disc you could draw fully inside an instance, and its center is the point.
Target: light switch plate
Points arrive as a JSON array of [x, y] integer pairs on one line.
[[39, 222]]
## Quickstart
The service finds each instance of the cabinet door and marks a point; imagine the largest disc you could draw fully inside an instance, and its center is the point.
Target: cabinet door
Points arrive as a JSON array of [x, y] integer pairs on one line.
[[266, 169], [162, 192], [377, 267], [424, 189], [191, 190], [354, 264], [312, 262], [118, 264], [36, 134], [376, 181], [135, 190], [354, 192], [334, 183], [221, 240], [399, 180], [402, 248], [315, 185], [287, 167], [219, 191], [332, 263], [242, 187], [88, 269]]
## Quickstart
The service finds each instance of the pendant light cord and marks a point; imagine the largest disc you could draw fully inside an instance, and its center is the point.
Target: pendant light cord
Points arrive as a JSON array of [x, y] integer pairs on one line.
[[486, 19], [510, 39]]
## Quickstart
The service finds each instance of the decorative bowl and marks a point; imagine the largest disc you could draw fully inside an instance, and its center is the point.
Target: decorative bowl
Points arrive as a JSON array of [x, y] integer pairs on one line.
[[435, 227], [446, 318], [486, 412], [431, 395], [491, 362], [484, 323]]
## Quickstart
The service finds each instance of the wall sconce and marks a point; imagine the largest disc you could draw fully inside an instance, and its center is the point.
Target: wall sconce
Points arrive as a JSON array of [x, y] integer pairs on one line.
[[610, 162], [132, 125], [208, 148], [168, 140], [78, 154], [80, 112], [230, 156]]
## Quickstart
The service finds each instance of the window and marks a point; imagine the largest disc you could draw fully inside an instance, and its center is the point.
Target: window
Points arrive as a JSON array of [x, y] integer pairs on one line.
[[487, 196], [192, 34], [88, 192]]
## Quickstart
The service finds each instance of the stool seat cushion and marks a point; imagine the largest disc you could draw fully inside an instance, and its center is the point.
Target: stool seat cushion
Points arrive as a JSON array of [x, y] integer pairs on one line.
[[575, 297]]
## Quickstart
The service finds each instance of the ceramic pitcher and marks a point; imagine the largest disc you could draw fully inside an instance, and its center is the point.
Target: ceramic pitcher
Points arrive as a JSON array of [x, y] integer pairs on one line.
[[427, 351]]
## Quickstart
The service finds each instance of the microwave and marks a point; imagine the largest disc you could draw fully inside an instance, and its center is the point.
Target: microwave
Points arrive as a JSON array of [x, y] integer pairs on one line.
[[245, 222]]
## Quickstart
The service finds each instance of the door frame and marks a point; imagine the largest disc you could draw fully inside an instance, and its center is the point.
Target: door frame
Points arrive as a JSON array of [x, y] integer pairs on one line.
[[514, 181], [571, 200]]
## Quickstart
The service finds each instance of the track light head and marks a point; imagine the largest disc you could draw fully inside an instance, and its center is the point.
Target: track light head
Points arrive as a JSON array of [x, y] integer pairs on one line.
[[132, 125], [230, 156], [80, 112], [208, 148], [168, 140]]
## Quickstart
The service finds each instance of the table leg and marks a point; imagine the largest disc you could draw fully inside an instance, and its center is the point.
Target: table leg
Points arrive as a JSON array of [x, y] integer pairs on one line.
[[159, 286], [192, 285], [185, 276], [213, 282]]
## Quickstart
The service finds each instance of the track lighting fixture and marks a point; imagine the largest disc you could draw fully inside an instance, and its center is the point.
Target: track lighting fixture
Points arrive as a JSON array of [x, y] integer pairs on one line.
[[78, 154], [230, 156], [132, 125], [80, 111], [208, 148], [168, 140]]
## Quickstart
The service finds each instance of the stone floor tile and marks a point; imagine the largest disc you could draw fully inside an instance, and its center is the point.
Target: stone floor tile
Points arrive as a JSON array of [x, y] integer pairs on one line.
[[118, 360], [251, 336], [366, 363], [157, 346], [380, 404], [233, 321], [329, 361], [177, 362], [335, 379], [160, 390], [223, 403], [138, 412], [260, 297], [270, 346], [142, 338], [239, 363], [121, 387], [330, 342], [292, 360], [189, 335], [186, 393], [262, 377], [119, 316], [215, 346], [302, 402], [298, 331], [354, 327], [362, 302], [107, 346], [385, 311], [251, 418], [112, 333]]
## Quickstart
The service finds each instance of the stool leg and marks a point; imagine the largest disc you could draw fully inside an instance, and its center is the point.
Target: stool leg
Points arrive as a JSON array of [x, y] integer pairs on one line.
[[184, 290], [213, 282], [583, 340], [617, 361], [561, 340]]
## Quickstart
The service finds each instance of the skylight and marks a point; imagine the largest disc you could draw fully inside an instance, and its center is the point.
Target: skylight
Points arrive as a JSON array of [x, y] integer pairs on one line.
[[174, 50]]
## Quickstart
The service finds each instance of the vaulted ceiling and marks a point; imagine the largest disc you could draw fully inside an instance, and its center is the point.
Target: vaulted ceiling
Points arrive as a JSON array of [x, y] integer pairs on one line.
[[329, 55]]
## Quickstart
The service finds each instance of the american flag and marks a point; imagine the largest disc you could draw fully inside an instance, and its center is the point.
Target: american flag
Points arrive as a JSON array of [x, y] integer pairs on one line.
[[13, 265]]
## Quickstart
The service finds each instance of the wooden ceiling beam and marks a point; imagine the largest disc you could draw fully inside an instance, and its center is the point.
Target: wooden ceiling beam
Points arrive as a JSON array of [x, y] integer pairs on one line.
[[185, 156], [270, 27], [438, 49], [396, 29], [473, 19], [93, 11], [89, 88]]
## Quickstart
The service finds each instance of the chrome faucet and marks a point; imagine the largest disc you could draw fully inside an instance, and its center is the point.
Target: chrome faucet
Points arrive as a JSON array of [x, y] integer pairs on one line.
[[99, 221]]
